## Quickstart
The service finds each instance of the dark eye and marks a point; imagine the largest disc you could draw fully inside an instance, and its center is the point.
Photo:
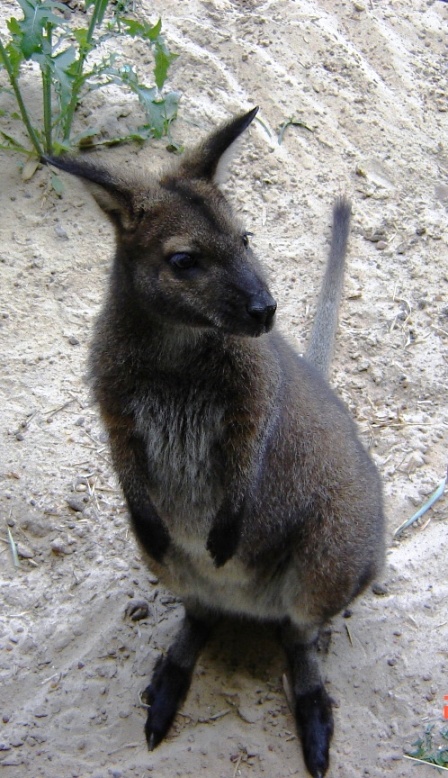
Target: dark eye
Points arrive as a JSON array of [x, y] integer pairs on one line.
[[182, 260], [245, 238]]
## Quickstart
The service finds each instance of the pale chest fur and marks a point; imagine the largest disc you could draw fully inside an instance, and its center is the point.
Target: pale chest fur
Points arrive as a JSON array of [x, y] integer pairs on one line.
[[184, 437]]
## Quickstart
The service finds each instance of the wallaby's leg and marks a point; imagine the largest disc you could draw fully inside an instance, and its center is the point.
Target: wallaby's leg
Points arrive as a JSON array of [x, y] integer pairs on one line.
[[172, 675], [312, 705], [131, 463]]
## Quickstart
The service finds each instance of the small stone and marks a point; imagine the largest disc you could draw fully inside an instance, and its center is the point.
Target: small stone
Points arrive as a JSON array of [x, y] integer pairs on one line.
[[58, 546], [381, 245], [25, 552], [379, 589], [249, 715], [60, 232], [73, 341], [374, 236], [75, 504]]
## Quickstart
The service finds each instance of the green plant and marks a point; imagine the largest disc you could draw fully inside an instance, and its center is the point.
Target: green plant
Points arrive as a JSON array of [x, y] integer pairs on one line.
[[74, 60], [430, 747]]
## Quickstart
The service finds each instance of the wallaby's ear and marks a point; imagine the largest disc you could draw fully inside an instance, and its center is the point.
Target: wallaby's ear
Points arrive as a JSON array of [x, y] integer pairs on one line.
[[208, 158], [112, 194]]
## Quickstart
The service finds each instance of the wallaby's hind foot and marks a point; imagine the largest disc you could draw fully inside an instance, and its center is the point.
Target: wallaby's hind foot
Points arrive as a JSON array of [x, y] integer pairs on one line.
[[309, 701], [172, 677], [314, 719]]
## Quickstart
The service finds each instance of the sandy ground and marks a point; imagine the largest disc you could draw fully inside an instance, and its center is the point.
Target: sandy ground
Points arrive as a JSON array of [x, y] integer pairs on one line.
[[369, 81]]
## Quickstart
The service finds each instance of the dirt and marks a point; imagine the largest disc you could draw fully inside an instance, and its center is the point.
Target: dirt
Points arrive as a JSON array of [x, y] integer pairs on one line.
[[366, 82]]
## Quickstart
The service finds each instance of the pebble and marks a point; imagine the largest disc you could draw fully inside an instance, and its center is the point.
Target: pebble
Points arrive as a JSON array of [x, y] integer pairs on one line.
[[60, 232], [250, 715], [379, 589], [25, 552], [75, 504], [59, 546]]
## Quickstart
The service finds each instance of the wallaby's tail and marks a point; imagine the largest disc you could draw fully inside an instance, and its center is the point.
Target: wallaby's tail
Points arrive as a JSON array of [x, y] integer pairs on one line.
[[321, 341]]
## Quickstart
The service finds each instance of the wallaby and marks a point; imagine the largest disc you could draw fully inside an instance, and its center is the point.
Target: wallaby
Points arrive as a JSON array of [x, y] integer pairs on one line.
[[246, 483]]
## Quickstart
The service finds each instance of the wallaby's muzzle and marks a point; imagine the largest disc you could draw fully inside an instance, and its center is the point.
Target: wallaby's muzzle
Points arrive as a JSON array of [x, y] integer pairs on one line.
[[262, 309]]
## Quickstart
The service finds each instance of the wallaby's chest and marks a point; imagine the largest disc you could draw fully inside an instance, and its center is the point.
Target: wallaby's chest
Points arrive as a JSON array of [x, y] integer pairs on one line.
[[183, 432]]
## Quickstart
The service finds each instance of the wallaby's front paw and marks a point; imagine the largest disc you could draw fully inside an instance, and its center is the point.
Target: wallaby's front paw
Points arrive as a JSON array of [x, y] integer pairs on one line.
[[222, 544], [157, 546], [151, 531]]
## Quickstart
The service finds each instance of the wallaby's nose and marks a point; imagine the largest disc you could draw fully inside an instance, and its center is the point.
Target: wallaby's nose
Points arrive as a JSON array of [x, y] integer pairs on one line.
[[262, 309]]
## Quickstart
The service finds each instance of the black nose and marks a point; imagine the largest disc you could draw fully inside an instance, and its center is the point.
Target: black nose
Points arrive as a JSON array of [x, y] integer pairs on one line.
[[262, 309]]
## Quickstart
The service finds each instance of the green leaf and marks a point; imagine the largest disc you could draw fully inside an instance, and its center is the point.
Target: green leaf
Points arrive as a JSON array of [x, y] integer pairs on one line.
[[15, 56], [37, 14], [57, 184], [141, 29], [163, 59], [12, 144], [80, 36], [161, 113], [62, 77]]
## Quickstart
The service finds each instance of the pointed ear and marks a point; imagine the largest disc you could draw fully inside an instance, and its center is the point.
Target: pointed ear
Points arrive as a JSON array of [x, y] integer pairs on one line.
[[113, 195], [208, 158]]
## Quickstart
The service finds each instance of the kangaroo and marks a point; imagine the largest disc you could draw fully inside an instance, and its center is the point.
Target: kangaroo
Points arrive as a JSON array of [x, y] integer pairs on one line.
[[247, 486]]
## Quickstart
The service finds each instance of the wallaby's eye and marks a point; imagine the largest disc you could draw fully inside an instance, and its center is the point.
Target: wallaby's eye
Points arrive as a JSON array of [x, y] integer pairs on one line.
[[245, 238], [182, 260]]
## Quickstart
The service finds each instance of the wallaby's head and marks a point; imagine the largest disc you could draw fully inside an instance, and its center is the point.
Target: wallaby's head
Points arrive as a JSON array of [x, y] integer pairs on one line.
[[183, 258]]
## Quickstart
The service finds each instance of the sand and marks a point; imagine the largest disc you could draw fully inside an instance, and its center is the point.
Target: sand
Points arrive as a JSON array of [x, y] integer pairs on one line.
[[367, 83]]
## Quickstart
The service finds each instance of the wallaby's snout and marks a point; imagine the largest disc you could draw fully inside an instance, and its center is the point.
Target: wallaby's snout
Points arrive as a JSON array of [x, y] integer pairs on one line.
[[262, 308]]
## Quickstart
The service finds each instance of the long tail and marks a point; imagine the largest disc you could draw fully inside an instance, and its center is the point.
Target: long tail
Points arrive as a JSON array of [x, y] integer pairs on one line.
[[321, 342]]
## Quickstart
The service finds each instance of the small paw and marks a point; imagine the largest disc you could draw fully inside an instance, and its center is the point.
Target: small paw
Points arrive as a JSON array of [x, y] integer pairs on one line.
[[223, 540], [220, 550]]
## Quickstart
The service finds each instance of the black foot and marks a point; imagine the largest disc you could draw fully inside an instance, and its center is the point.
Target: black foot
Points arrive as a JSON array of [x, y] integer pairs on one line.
[[314, 719], [165, 693]]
